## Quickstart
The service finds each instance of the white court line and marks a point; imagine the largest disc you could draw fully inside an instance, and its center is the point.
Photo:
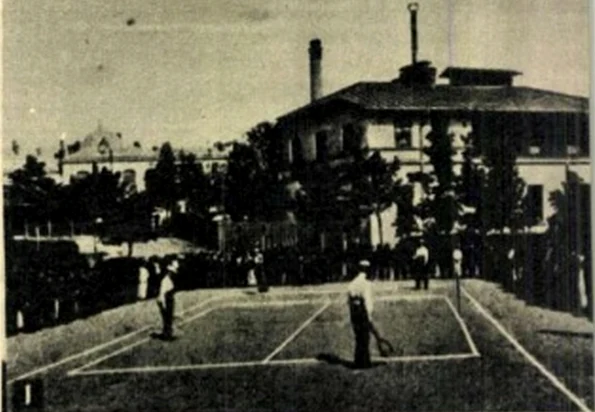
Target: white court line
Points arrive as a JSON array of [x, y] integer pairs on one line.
[[101, 346], [463, 326], [131, 345], [296, 332], [271, 303], [79, 370], [277, 362], [540, 367], [161, 369], [108, 356], [391, 298], [426, 358]]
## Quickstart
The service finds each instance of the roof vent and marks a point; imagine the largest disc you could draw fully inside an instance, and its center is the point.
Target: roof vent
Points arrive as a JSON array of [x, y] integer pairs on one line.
[[463, 76]]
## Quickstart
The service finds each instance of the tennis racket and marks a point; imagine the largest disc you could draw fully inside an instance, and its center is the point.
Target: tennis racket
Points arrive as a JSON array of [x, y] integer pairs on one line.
[[385, 348]]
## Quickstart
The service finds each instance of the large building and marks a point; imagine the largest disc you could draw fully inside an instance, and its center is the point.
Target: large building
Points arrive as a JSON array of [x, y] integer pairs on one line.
[[105, 149], [395, 117]]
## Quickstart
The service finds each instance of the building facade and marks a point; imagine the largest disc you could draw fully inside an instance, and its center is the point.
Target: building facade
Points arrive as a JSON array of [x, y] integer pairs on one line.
[[549, 130], [105, 149]]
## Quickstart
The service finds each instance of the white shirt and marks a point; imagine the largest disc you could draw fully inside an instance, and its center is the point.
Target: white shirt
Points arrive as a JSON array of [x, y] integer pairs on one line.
[[166, 286], [422, 252], [143, 280], [457, 255], [143, 275], [362, 288], [259, 259]]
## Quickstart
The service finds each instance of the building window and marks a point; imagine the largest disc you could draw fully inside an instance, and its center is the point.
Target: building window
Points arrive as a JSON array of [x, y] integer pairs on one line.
[[82, 174], [584, 135], [322, 146], [572, 150], [351, 139], [403, 135], [534, 202], [296, 150]]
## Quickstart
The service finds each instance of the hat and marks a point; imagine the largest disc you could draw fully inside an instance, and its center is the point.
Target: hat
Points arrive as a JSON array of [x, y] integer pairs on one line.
[[364, 263]]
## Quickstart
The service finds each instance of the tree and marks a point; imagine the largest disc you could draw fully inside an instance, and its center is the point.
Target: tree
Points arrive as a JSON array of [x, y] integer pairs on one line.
[[245, 183], [468, 185], [502, 189], [264, 138], [98, 195], [375, 186], [349, 191], [132, 223], [439, 207], [32, 194], [442, 202], [194, 185], [161, 182], [568, 245], [570, 223]]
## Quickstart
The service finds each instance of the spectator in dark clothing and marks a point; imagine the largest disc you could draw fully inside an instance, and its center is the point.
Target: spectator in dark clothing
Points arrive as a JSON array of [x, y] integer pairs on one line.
[[259, 271]]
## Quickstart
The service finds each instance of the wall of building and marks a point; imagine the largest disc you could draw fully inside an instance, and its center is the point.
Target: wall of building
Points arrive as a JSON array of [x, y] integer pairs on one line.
[[305, 129], [389, 231], [551, 174], [209, 164], [139, 168], [379, 134]]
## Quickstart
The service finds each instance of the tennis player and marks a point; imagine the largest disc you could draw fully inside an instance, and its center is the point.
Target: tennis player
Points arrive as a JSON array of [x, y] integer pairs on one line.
[[361, 306], [165, 300]]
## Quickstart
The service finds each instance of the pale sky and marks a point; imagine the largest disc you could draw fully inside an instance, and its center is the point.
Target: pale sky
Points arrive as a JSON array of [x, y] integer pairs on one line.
[[193, 72]]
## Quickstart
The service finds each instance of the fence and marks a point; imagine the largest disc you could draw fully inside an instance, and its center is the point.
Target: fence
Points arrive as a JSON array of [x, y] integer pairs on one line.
[[538, 272], [266, 235], [52, 283]]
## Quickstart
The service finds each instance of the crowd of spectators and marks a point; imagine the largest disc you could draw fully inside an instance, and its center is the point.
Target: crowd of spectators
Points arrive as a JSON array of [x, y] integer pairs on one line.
[[56, 284]]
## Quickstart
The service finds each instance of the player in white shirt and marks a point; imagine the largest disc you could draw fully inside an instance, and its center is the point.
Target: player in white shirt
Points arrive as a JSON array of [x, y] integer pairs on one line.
[[421, 259], [361, 306], [165, 300], [143, 281], [457, 259]]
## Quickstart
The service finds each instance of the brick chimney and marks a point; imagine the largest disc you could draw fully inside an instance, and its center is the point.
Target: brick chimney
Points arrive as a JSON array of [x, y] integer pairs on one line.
[[315, 69]]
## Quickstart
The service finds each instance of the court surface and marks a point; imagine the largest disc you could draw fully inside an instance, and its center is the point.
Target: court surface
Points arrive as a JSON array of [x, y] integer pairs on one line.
[[292, 350]]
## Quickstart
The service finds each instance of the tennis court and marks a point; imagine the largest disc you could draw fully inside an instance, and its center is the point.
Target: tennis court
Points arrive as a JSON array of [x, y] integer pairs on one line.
[[292, 350]]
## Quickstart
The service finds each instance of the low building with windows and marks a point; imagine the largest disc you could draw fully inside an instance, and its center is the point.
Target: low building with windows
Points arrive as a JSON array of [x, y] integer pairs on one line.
[[105, 149]]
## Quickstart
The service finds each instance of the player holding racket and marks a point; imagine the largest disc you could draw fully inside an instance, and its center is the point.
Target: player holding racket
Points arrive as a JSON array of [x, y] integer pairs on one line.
[[361, 306]]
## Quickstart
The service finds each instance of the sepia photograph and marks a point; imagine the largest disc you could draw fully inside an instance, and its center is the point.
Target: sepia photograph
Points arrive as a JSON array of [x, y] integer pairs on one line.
[[297, 205]]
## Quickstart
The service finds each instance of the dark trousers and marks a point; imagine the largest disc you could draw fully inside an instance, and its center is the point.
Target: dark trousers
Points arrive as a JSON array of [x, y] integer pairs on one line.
[[361, 329], [167, 315], [421, 275]]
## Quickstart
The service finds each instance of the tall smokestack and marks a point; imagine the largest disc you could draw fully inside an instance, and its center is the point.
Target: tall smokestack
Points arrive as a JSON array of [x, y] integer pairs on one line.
[[315, 69], [413, 10]]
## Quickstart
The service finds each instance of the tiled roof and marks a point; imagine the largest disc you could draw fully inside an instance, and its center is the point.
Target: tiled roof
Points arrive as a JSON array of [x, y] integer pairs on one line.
[[395, 96]]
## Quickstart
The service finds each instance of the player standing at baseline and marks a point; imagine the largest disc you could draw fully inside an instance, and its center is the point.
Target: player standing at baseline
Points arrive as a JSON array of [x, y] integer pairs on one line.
[[361, 306], [165, 300]]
